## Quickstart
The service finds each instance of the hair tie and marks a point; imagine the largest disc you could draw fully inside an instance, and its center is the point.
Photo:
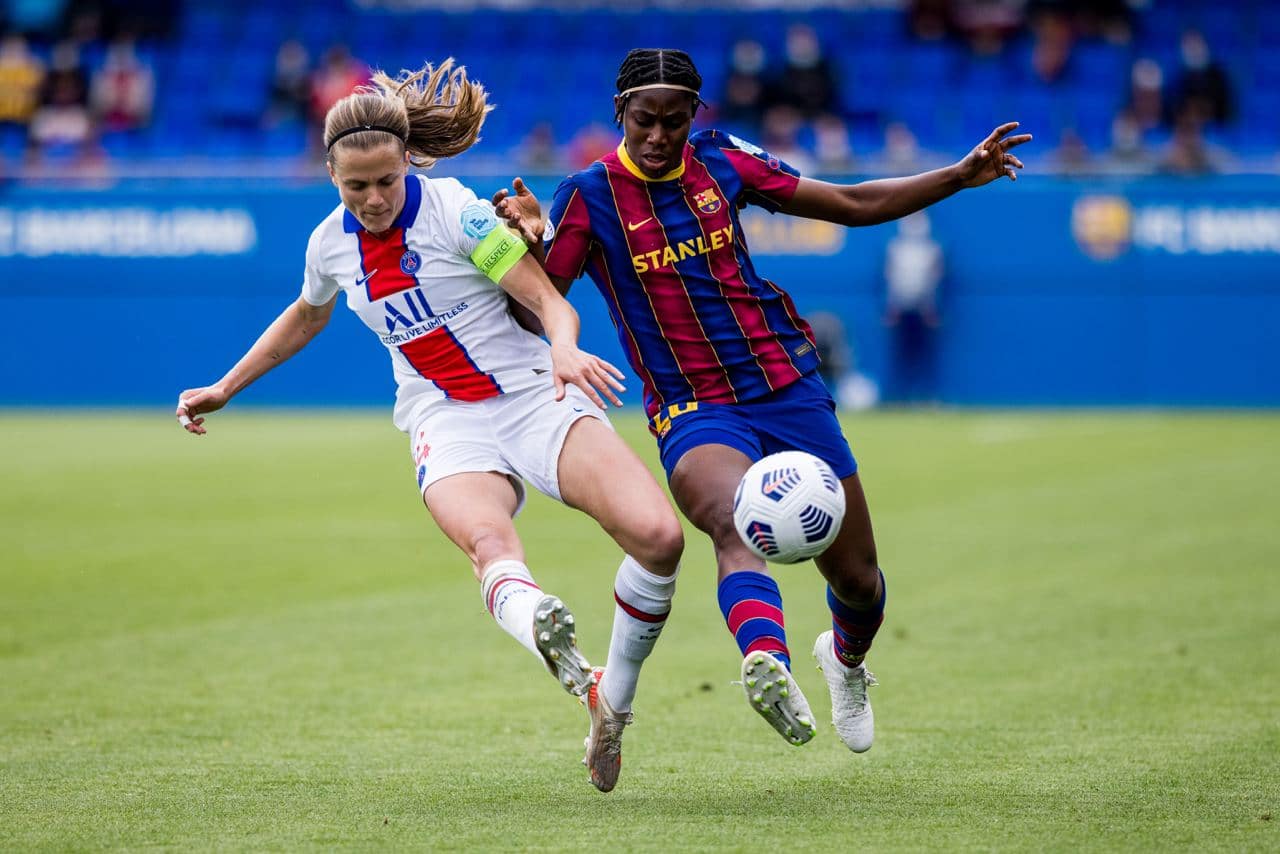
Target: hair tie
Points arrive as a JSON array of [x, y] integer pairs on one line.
[[361, 129], [627, 92]]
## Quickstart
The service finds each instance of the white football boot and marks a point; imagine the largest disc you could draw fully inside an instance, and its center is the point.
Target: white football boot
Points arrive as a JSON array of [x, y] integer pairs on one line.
[[557, 641], [776, 697], [850, 706], [604, 743]]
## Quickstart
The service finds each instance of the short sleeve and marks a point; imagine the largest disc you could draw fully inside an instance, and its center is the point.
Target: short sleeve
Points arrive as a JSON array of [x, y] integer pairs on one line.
[[468, 218], [767, 181], [480, 236], [318, 288], [570, 232]]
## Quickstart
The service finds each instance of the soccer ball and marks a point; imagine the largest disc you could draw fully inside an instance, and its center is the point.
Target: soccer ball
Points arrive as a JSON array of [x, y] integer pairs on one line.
[[788, 507]]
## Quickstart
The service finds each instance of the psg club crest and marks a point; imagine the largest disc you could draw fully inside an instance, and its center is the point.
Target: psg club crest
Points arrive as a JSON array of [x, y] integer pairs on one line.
[[707, 201], [410, 261]]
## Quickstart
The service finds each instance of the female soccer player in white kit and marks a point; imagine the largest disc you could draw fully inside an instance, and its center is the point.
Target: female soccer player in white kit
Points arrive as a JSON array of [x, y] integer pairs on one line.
[[486, 404]]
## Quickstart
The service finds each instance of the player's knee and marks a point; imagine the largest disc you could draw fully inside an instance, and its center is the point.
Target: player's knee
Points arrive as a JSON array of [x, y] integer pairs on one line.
[[659, 542], [856, 580]]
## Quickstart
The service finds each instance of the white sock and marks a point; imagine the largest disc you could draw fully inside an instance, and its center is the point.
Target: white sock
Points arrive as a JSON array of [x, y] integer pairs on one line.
[[643, 602], [510, 594]]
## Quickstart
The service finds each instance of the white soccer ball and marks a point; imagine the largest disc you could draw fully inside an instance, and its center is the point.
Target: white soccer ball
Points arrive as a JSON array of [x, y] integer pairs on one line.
[[788, 507]]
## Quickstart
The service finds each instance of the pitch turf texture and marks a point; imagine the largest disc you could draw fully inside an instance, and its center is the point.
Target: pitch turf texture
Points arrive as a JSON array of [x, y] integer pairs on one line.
[[257, 640]]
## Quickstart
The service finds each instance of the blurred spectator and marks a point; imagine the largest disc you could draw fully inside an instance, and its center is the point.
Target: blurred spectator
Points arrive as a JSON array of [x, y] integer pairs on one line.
[[1111, 20], [21, 77], [902, 154], [745, 89], [65, 65], [804, 100], [928, 20], [122, 92], [338, 75], [913, 271], [538, 149], [1128, 152], [290, 86], [807, 82], [84, 24], [780, 136], [1071, 157], [1188, 152], [591, 143], [831, 145], [1146, 94], [987, 24], [1051, 46], [1202, 85], [63, 125]]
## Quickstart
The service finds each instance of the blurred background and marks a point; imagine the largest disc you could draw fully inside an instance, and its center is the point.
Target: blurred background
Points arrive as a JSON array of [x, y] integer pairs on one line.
[[160, 171]]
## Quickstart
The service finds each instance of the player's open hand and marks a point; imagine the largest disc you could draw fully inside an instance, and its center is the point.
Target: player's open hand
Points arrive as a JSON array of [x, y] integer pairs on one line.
[[991, 160], [521, 212], [590, 373], [194, 403]]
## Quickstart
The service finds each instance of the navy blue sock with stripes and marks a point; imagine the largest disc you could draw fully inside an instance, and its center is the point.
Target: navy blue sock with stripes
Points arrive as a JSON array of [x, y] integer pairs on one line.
[[853, 629], [752, 607]]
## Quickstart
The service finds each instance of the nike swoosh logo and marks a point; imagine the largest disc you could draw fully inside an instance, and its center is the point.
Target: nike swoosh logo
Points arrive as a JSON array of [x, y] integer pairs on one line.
[[632, 226], [362, 279]]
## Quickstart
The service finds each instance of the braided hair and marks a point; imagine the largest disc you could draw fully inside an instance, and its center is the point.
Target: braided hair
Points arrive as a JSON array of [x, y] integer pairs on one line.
[[647, 66]]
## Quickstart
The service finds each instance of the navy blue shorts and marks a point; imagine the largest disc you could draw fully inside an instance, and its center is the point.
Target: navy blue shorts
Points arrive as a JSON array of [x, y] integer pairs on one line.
[[800, 417]]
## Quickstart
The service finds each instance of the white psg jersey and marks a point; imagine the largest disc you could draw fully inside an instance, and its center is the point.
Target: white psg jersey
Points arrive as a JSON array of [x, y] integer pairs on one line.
[[445, 324]]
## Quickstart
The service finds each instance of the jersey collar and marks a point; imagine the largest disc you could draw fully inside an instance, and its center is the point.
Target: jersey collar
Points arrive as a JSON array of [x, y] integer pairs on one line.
[[409, 213], [631, 167]]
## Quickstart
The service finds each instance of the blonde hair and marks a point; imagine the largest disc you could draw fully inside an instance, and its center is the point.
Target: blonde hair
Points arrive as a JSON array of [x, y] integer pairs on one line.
[[435, 112]]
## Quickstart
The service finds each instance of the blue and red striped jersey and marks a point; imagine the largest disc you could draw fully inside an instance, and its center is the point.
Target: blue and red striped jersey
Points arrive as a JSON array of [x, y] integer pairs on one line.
[[696, 320]]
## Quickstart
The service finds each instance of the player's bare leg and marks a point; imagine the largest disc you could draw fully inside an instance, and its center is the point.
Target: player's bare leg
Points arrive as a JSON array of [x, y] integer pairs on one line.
[[474, 510], [703, 483], [639, 519], [856, 596]]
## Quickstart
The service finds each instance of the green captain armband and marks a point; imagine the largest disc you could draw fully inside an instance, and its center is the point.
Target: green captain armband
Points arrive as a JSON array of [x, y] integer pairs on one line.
[[498, 253]]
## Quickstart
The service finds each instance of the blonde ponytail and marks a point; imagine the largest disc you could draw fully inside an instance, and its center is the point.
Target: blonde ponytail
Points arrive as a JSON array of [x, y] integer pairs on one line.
[[435, 112]]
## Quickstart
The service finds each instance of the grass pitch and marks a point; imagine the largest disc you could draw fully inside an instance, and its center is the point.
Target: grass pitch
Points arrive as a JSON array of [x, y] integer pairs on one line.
[[258, 640]]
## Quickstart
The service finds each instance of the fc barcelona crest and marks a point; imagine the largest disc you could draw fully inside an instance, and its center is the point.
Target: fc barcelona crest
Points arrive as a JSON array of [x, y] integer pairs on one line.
[[707, 201]]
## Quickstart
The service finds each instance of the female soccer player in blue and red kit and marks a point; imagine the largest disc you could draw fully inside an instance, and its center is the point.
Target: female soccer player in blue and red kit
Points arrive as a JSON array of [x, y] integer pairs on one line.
[[729, 367]]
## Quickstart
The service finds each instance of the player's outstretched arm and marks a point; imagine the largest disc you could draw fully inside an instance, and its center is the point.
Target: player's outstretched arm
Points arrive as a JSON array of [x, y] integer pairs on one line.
[[527, 282], [885, 199], [286, 335]]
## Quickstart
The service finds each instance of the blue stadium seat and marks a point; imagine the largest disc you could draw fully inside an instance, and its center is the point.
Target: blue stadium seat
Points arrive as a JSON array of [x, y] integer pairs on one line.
[[1267, 26], [12, 140]]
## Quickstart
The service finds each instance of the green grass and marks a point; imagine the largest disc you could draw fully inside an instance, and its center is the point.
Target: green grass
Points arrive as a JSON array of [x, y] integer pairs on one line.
[[257, 640]]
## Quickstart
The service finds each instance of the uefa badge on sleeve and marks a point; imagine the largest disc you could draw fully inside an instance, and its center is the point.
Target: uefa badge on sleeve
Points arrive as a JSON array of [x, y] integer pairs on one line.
[[478, 219]]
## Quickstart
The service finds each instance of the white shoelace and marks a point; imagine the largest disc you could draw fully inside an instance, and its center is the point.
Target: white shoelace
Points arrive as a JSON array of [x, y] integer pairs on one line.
[[860, 686]]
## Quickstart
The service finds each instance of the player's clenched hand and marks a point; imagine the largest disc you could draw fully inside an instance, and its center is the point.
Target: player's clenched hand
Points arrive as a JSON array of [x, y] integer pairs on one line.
[[590, 373], [196, 402], [521, 212], [991, 160]]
